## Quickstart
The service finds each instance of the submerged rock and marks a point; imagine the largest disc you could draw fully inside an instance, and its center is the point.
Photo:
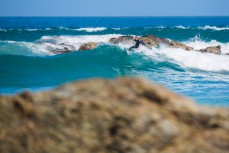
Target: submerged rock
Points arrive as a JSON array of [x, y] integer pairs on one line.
[[214, 49], [88, 46], [109, 116], [61, 51]]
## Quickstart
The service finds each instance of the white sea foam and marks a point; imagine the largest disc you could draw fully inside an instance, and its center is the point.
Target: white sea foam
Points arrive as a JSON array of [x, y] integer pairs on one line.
[[188, 59], [78, 40], [32, 29], [116, 28], [213, 28], [48, 29], [48, 44], [92, 29], [181, 27], [3, 30], [162, 27], [197, 60], [198, 44]]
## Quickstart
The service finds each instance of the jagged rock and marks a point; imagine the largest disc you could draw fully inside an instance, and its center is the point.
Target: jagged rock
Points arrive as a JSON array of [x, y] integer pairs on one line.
[[174, 44], [121, 39], [151, 41], [88, 46], [214, 49], [110, 116], [61, 51]]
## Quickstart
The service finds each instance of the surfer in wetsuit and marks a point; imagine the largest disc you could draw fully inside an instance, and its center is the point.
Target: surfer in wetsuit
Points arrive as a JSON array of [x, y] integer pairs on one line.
[[137, 43]]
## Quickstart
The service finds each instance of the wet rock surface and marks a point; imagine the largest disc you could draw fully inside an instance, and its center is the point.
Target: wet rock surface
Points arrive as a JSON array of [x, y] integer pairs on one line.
[[153, 41], [110, 116], [88, 46], [121, 39], [214, 50]]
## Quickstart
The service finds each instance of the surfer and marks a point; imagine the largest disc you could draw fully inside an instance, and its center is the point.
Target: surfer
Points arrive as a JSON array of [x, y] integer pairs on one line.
[[137, 43]]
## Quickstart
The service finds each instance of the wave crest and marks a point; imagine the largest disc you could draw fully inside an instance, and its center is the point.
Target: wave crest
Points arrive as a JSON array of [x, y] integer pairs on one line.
[[213, 28], [92, 29], [189, 59]]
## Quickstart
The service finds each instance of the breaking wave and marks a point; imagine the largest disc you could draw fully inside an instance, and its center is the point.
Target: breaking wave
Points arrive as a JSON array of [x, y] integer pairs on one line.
[[92, 29], [213, 28], [187, 59]]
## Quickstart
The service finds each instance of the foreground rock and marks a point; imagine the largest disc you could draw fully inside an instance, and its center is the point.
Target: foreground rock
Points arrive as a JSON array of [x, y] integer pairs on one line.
[[88, 46], [215, 50], [110, 116]]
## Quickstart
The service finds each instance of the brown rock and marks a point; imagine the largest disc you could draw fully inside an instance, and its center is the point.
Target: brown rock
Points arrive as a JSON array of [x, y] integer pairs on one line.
[[151, 41], [62, 51], [88, 46], [121, 39], [175, 44], [110, 116], [214, 49]]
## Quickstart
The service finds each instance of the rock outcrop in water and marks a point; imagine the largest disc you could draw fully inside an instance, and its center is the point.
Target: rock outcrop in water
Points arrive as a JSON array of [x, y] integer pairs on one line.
[[147, 41], [121, 39], [153, 41], [150, 41], [125, 115], [214, 49], [88, 46]]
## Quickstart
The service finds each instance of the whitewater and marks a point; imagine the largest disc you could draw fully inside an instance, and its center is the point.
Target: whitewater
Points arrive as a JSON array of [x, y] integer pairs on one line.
[[27, 60]]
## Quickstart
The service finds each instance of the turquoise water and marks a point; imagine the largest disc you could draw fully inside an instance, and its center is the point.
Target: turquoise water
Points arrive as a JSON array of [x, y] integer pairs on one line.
[[27, 63]]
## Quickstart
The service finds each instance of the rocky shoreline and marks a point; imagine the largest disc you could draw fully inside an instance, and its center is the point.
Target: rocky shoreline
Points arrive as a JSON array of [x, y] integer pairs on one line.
[[147, 41], [124, 115]]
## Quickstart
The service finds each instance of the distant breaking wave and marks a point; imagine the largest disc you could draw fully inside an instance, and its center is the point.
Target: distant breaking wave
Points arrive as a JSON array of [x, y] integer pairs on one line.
[[213, 28], [181, 27], [98, 29], [92, 29]]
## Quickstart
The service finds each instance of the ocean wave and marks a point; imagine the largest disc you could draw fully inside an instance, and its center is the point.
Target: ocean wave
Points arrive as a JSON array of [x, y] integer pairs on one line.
[[4, 30], [213, 28], [46, 45], [197, 60], [197, 43], [92, 29], [181, 27], [98, 29], [188, 59], [116, 28]]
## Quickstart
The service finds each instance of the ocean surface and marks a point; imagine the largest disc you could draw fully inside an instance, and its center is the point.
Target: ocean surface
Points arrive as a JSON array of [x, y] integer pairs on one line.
[[26, 62]]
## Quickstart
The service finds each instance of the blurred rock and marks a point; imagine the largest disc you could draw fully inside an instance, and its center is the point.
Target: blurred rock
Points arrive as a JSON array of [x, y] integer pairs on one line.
[[214, 49], [88, 46], [121, 39], [125, 115], [150, 41]]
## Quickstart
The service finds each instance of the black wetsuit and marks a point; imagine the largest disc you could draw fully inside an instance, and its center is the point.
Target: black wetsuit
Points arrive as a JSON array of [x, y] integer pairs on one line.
[[137, 43]]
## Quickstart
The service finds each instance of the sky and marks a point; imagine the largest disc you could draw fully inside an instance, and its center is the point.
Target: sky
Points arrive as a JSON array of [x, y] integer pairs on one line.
[[114, 8]]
